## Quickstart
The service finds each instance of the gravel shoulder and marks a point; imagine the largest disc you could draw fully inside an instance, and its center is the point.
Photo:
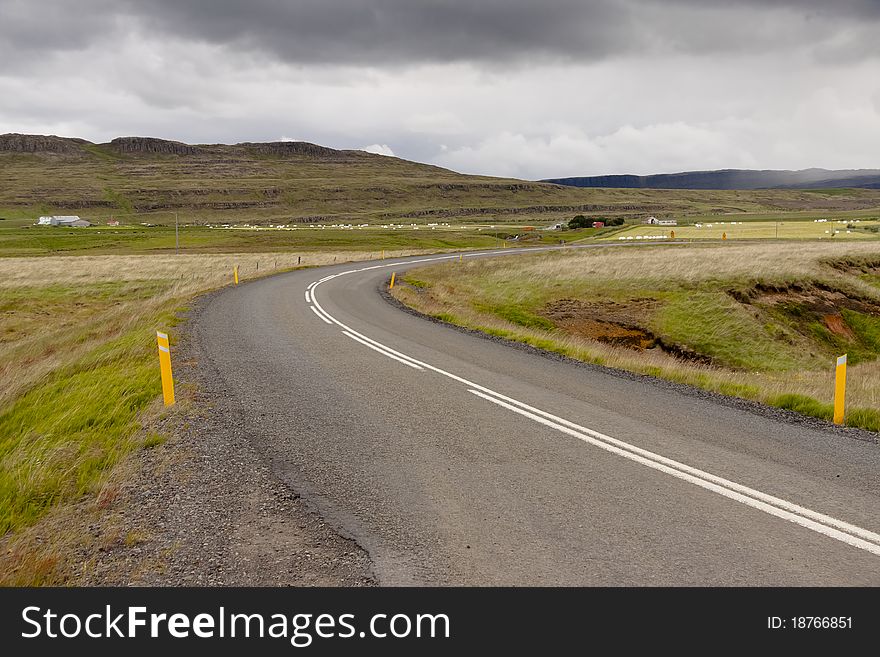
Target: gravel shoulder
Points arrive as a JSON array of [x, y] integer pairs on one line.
[[204, 508]]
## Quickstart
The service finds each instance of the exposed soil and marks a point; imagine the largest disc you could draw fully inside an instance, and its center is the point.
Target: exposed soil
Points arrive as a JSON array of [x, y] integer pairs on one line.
[[622, 324], [837, 325], [811, 303], [814, 298]]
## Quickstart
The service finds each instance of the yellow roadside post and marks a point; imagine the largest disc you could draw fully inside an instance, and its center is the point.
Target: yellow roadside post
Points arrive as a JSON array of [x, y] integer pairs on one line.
[[460, 256], [839, 389], [165, 367], [672, 234], [391, 287], [724, 236], [235, 273], [383, 254]]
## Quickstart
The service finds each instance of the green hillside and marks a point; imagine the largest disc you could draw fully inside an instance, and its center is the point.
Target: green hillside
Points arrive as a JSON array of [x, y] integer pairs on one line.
[[297, 182]]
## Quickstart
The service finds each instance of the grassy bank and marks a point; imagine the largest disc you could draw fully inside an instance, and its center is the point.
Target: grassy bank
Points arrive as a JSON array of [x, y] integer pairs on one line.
[[81, 386], [764, 322]]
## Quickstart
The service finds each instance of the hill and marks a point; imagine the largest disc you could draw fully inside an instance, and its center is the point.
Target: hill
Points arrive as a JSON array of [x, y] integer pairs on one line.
[[299, 182], [735, 179]]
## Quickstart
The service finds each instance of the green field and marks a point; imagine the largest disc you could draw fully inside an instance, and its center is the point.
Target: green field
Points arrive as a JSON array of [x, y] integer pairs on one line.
[[20, 239], [41, 240], [844, 229]]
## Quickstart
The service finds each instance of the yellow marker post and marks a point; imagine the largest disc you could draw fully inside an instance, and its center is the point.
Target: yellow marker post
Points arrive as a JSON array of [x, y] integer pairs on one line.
[[165, 367], [235, 273], [672, 234], [391, 287], [724, 236], [460, 256], [383, 254], [839, 389]]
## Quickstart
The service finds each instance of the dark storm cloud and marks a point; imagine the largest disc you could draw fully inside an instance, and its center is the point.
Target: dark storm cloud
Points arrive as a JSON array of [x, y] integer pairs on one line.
[[399, 32], [395, 31]]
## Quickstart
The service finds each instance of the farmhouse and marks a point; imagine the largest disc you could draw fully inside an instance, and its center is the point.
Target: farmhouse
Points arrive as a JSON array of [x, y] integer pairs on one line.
[[63, 220], [654, 221]]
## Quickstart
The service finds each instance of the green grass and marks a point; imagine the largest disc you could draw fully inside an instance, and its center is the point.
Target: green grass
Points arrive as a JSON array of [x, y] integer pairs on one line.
[[36, 241], [714, 324], [867, 331], [61, 437], [415, 282], [517, 315], [803, 404], [154, 440], [863, 418]]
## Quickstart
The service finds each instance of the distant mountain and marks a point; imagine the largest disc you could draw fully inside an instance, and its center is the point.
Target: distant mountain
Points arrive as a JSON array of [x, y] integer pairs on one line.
[[734, 179]]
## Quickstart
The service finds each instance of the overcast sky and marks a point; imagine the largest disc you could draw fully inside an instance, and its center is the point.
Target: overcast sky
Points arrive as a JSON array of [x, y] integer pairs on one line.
[[532, 89]]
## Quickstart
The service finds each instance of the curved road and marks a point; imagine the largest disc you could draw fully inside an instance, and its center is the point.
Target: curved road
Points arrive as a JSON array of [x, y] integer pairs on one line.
[[453, 459]]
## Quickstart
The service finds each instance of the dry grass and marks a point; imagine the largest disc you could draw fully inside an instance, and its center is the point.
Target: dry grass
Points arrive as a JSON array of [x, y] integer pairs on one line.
[[670, 265], [57, 309], [479, 294]]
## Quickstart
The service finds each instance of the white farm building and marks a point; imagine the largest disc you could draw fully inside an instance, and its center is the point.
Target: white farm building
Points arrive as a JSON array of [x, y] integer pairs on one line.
[[63, 220], [654, 221]]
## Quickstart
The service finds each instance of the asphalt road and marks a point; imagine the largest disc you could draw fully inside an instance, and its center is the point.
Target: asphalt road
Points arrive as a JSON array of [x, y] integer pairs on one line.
[[453, 459]]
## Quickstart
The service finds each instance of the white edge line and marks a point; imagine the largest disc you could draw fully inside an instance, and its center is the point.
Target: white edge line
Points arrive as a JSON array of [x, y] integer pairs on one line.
[[381, 351], [830, 532], [308, 297], [321, 317]]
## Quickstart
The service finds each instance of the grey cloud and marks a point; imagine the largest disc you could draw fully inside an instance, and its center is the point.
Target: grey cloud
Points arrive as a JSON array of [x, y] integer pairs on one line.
[[397, 32], [394, 31], [29, 31]]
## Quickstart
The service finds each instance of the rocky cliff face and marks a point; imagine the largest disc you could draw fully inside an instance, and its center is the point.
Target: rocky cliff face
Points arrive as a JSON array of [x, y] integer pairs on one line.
[[152, 145], [17, 143], [293, 148]]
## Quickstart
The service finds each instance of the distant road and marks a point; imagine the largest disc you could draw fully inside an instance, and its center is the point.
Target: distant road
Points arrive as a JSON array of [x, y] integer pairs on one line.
[[453, 459]]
